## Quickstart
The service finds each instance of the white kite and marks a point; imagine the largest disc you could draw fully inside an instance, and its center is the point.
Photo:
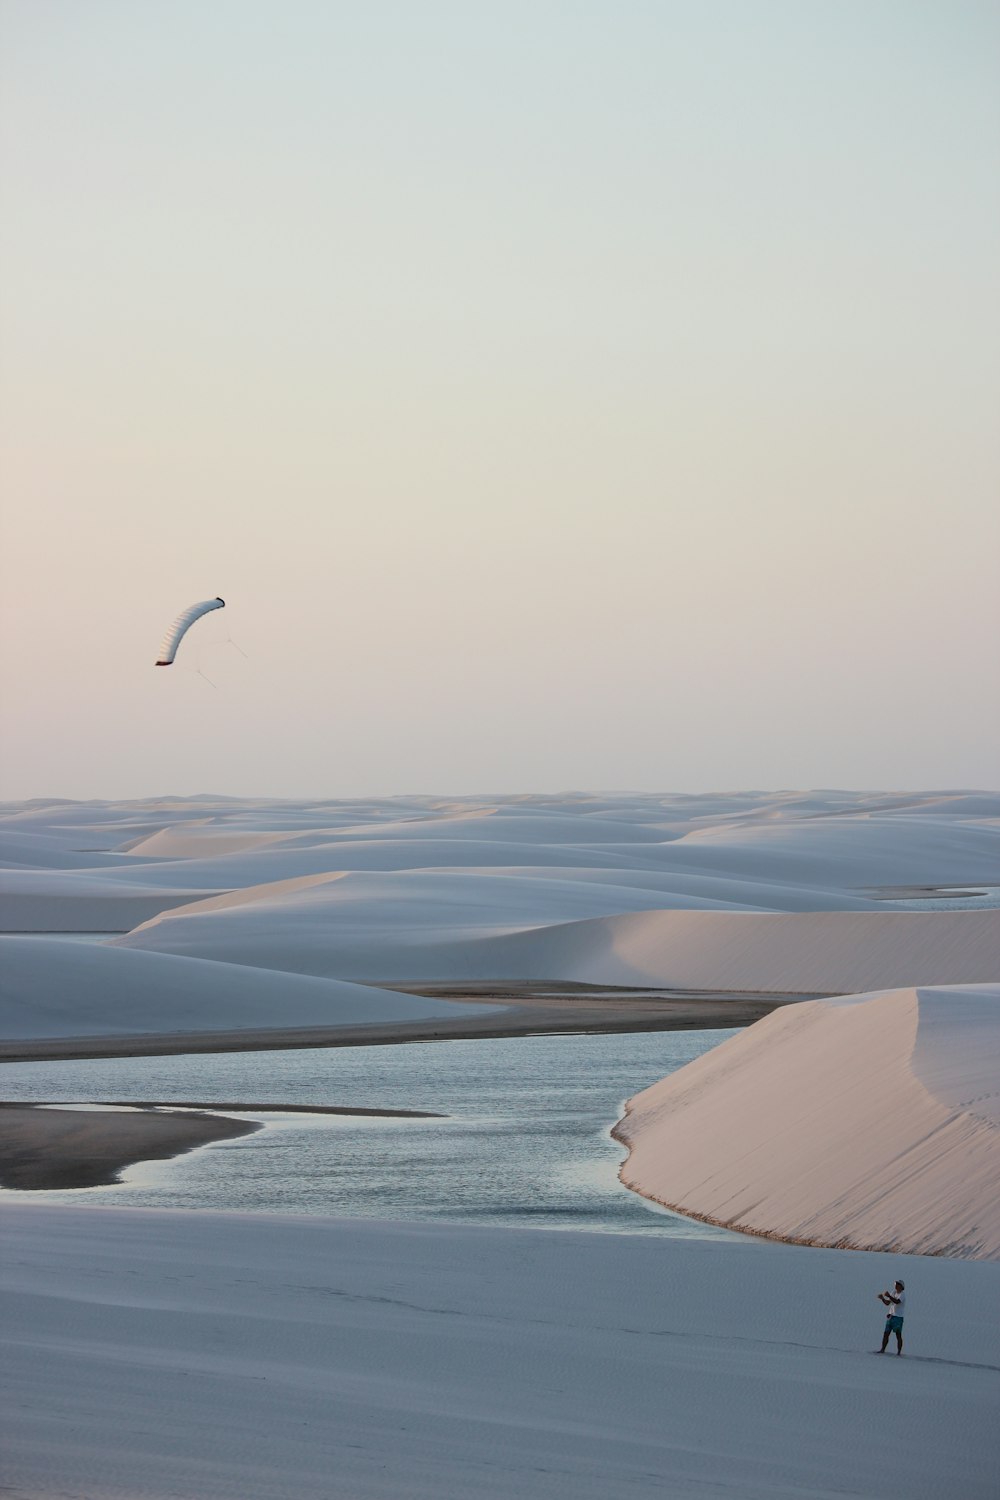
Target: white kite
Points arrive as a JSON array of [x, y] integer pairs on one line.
[[180, 628]]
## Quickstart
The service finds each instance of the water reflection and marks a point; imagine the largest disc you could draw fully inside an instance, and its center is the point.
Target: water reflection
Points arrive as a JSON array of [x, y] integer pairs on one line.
[[526, 1139]]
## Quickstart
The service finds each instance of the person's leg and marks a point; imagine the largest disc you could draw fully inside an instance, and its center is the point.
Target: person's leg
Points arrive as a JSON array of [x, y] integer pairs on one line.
[[899, 1339], [885, 1337]]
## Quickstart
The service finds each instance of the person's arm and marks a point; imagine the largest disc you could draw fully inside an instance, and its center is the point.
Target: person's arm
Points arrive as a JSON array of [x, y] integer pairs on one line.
[[893, 1299]]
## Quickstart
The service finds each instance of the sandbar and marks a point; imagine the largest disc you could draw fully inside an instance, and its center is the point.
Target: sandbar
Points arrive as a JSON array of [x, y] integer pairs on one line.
[[531, 1010], [69, 1148], [44, 1147]]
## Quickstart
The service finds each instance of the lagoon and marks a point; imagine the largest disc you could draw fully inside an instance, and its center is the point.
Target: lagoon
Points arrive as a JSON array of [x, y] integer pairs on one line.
[[525, 1139]]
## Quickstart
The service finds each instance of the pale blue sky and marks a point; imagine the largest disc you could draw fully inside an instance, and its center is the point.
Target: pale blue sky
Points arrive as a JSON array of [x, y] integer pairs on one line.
[[596, 394]]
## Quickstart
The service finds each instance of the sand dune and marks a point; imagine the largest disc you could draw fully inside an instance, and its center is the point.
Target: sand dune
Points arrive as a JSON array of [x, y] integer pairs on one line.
[[406, 922], [819, 952], [858, 850], [172, 1355], [59, 900], [315, 857], [391, 937], [869, 1122], [235, 1355], [494, 827], [787, 892], [50, 988], [200, 840]]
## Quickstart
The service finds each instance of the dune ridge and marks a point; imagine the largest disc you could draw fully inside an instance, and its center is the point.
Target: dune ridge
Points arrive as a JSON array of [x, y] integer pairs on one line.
[[50, 988], [435, 938], [870, 1122], [759, 893]]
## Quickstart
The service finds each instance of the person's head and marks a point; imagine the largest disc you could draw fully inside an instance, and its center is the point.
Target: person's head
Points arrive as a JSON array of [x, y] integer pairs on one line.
[[900, 1287]]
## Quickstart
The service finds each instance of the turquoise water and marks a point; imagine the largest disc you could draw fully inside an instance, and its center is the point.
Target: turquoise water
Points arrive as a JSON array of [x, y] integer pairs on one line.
[[526, 1139]]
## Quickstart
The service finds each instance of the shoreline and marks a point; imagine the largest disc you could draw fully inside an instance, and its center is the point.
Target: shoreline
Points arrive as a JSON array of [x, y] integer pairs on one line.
[[752, 1233], [275, 1108], [537, 1010], [734, 1228], [899, 1087], [44, 1148]]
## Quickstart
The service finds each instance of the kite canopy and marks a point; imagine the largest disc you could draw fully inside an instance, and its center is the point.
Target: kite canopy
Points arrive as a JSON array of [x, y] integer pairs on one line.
[[180, 628]]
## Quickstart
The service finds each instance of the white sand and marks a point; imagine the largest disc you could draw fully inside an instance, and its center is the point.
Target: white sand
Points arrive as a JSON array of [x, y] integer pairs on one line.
[[868, 1122], [83, 900], [819, 952], [179, 1356], [50, 988], [763, 892], [436, 937]]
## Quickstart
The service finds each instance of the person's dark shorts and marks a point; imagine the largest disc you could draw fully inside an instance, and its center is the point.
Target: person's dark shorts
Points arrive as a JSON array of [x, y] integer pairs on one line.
[[893, 1324]]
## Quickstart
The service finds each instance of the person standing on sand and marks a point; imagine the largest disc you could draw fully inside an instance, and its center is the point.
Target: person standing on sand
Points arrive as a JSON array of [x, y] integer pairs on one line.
[[896, 1304]]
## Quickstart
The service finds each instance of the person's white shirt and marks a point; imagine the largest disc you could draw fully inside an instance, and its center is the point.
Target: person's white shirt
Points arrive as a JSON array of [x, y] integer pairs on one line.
[[896, 1309]]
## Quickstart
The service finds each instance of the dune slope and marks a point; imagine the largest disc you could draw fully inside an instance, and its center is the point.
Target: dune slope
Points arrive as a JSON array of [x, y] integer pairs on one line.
[[179, 1356], [775, 893], [62, 989], [868, 1122]]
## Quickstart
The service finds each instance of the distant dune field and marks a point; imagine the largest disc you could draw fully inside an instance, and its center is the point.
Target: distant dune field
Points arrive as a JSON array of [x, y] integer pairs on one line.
[[222, 915]]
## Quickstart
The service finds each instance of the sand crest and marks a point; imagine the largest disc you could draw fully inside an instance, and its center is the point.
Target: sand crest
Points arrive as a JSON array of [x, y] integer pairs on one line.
[[242, 916], [871, 1122]]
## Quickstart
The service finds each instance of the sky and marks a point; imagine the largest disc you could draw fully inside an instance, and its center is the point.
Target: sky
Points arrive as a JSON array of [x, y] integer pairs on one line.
[[567, 394]]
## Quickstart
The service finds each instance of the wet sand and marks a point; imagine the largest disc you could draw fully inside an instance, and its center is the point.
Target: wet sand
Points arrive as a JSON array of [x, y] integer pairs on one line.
[[528, 1010], [50, 1148], [68, 1148], [47, 1147]]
